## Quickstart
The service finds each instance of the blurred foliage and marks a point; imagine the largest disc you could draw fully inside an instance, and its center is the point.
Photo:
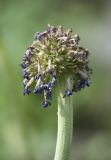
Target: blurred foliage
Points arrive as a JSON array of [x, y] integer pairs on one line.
[[28, 132]]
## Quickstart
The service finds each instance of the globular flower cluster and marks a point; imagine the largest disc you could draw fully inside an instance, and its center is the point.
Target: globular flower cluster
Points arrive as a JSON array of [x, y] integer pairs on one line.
[[52, 54]]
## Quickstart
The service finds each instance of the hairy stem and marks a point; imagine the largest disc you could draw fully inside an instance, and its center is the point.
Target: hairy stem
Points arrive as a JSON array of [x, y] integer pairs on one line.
[[65, 126]]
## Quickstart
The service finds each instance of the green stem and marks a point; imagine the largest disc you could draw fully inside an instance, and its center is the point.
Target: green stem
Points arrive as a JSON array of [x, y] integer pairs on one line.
[[65, 126]]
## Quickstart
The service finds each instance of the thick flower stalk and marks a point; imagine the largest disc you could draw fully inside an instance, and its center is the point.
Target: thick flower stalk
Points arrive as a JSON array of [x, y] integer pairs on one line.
[[55, 58]]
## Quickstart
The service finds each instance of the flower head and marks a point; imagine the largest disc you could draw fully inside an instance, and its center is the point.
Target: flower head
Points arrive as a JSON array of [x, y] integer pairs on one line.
[[52, 54]]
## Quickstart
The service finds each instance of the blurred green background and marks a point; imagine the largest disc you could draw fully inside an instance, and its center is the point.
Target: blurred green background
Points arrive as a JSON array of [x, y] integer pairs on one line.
[[28, 132]]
